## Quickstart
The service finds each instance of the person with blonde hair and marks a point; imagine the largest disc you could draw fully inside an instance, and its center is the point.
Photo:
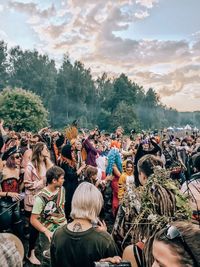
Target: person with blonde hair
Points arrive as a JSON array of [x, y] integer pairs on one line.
[[82, 242]]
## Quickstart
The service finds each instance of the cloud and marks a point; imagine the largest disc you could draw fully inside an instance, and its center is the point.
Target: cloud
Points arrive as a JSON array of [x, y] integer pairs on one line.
[[174, 82], [147, 3], [32, 9], [91, 31], [1, 8], [141, 14]]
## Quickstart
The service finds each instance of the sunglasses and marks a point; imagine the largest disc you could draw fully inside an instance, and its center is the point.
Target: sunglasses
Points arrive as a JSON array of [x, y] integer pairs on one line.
[[173, 233], [17, 157]]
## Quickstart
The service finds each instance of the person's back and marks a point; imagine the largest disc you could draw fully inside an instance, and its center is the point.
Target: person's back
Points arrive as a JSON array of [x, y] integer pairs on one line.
[[82, 241], [75, 249]]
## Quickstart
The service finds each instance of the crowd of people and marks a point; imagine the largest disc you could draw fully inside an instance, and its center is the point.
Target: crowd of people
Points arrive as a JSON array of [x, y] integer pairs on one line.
[[89, 198]]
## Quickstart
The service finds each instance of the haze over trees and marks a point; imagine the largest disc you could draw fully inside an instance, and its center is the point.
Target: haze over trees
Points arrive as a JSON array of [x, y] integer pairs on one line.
[[70, 92]]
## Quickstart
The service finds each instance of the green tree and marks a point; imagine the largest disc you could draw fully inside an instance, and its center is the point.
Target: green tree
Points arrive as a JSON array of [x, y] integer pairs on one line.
[[75, 96], [3, 65], [125, 116], [31, 71], [105, 92], [124, 90], [151, 98], [22, 109]]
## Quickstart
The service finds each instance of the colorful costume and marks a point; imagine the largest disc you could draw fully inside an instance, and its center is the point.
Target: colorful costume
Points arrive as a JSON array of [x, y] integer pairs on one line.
[[114, 168]]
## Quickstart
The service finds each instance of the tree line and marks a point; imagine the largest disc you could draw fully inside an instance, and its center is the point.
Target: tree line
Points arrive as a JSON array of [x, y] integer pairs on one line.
[[70, 92]]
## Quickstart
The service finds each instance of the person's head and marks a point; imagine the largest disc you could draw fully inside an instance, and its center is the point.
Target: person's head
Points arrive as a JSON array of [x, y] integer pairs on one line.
[[177, 246], [17, 138], [40, 151], [146, 144], [165, 143], [78, 145], [67, 151], [91, 173], [119, 131], [23, 142], [197, 140], [177, 141], [190, 140], [55, 176], [129, 166], [184, 142], [87, 202], [35, 139], [146, 167], [13, 161]]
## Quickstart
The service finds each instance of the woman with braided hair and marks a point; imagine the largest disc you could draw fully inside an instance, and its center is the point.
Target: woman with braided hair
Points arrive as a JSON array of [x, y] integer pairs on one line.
[[148, 209]]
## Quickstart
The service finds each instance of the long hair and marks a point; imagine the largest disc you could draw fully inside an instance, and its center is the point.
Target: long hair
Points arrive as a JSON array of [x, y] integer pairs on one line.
[[191, 236], [37, 150], [10, 162]]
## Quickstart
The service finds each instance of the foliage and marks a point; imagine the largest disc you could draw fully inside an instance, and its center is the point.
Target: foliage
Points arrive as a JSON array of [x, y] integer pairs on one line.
[[125, 115], [70, 92], [22, 110], [3, 65], [147, 209]]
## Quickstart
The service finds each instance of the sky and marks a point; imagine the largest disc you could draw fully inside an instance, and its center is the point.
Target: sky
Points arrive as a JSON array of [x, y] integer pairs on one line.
[[156, 43]]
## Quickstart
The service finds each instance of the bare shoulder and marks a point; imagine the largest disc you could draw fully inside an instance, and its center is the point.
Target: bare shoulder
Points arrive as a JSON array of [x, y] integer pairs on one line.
[[129, 255]]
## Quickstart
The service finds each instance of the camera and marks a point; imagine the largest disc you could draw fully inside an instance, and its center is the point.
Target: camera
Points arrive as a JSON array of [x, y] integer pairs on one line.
[[109, 264]]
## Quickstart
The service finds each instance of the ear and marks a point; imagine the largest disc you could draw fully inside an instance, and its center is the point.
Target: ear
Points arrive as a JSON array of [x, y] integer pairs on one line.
[[143, 178]]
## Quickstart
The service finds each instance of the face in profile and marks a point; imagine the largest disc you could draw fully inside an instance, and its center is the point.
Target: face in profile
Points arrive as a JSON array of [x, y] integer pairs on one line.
[[60, 181], [45, 151], [164, 256]]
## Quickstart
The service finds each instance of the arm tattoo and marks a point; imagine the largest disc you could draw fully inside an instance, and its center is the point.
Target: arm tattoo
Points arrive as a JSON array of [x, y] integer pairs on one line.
[[77, 227]]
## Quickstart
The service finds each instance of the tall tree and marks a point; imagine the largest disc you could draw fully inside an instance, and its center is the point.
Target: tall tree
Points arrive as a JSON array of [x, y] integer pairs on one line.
[[125, 116], [32, 71], [3, 65], [124, 90]]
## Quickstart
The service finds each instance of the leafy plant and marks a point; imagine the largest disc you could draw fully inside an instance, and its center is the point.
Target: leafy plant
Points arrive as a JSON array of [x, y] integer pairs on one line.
[[22, 109]]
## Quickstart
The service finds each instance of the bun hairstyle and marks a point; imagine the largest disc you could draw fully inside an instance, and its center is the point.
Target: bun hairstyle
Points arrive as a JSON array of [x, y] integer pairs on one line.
[[147, 163]]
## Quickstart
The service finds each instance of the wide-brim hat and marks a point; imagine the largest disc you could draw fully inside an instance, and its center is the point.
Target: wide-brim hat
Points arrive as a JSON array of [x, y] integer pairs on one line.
[[9, 152]]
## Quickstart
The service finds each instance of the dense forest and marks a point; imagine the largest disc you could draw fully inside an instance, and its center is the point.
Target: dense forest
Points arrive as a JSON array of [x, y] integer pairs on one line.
[[70, 92]]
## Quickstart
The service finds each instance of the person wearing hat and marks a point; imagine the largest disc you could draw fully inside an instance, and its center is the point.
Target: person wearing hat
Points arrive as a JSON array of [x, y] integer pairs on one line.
[[10, 188]]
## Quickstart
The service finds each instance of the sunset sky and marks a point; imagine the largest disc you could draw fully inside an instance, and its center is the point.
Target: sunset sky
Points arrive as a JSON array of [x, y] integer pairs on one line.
[[155, 42]]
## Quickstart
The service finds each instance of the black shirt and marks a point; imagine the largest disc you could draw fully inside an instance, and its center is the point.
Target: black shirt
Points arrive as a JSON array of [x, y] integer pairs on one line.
[[80, 249]]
